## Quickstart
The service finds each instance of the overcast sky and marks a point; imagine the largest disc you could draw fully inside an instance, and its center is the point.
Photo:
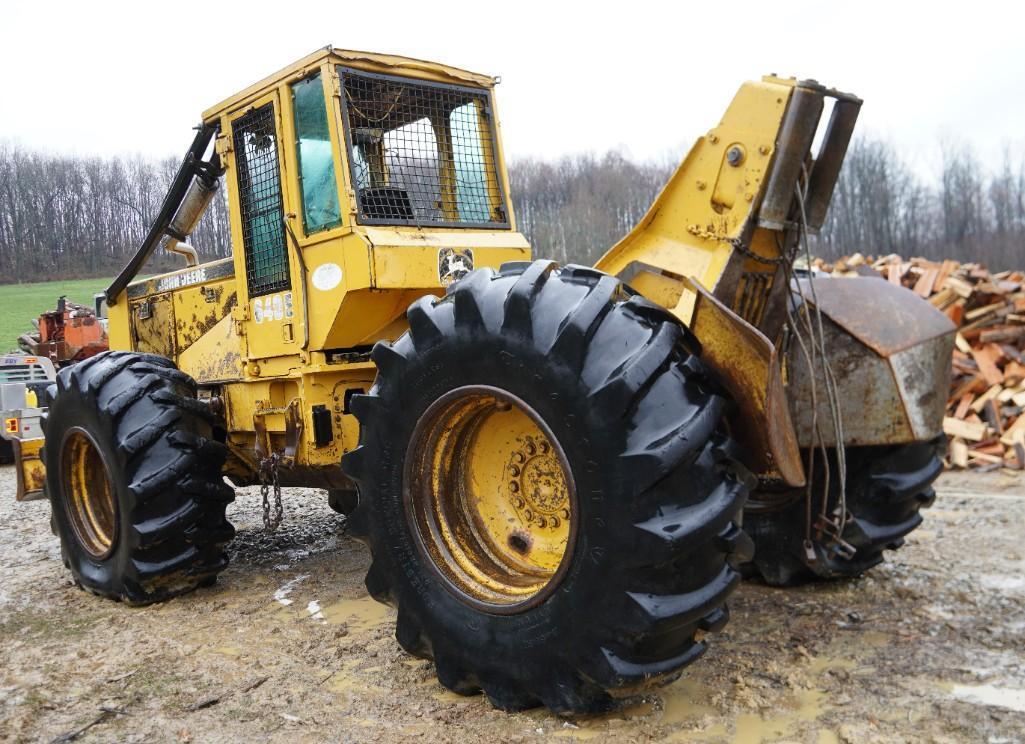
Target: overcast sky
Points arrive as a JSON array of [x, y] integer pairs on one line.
[[646, 77]]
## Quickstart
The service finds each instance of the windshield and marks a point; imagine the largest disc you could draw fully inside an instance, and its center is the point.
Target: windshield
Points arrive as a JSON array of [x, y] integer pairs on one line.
[[421, 153]]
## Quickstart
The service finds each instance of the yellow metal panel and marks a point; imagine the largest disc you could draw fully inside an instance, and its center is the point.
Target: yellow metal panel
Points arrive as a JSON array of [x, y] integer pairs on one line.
[[30, 469], [216, 356], [154, 333], [395, 237], [709, 199], [198, 308], [368, 315], [336, 268], [409, 267], [119, 332]]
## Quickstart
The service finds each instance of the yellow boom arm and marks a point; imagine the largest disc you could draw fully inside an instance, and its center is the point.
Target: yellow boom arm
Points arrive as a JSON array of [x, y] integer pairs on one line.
[[714, 246]]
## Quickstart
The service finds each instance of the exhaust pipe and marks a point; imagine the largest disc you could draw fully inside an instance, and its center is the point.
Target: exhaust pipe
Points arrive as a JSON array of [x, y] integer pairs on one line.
[[194, 205]]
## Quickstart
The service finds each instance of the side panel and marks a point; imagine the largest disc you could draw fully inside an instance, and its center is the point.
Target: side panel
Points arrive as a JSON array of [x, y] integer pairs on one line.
[[170, 313], [152, 320]]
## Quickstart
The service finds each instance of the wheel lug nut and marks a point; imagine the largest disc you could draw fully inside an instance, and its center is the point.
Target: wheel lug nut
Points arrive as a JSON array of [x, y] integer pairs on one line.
[[518, 456], [542, 522], [518, 502], [545, 447], [531, 449], [565, 513], [514, 469], [514, 486], [529, 515], [555, 522]]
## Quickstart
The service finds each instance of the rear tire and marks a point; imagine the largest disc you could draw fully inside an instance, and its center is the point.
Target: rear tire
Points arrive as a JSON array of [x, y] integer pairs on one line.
[[653, 491], [886, 488], [133, 475]]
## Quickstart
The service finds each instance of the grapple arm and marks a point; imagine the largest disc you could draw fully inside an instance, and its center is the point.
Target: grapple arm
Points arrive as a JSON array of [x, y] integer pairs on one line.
[[716, 245]]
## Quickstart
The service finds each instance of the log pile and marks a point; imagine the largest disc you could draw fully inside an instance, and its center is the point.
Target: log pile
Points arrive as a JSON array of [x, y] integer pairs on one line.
[[984, 420]]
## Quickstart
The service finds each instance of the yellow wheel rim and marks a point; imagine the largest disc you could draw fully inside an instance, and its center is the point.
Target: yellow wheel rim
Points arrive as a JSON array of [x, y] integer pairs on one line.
[[88, 494], [492, 499]]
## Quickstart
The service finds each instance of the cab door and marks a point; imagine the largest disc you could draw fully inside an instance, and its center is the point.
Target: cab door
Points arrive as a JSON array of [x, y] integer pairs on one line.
[[258, 227]]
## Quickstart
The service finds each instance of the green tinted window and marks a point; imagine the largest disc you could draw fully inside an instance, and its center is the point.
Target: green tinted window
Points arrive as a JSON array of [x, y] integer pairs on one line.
[[316, 161], [471, 167]]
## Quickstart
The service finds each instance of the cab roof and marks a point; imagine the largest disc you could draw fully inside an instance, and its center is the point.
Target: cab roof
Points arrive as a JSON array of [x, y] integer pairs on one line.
[[370, 61]]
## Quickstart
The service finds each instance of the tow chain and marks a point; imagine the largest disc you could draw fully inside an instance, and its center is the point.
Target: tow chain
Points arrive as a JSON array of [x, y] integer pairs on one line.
[[269, 467]]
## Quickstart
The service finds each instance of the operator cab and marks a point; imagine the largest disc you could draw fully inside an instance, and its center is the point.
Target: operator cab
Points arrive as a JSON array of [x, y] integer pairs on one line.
[[356, 182]]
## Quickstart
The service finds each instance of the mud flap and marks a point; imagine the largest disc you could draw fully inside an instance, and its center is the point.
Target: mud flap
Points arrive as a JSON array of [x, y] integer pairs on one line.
[[746, 364]]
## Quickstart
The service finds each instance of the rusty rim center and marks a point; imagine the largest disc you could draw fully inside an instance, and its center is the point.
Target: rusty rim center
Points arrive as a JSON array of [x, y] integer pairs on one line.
[[491, 498], [88, 494]]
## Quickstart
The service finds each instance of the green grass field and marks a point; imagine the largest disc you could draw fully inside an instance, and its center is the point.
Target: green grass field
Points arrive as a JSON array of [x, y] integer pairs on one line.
[[19, 303]]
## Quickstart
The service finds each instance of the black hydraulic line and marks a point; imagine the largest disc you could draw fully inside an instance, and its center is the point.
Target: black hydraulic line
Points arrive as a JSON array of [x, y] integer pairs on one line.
[[191, 166]]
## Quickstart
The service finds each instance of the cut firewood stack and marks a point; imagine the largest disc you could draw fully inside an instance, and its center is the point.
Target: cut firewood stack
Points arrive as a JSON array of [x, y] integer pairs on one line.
[[984, 420]]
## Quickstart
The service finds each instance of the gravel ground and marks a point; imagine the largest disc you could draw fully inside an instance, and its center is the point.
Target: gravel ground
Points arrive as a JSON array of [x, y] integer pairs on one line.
[[286, 646]]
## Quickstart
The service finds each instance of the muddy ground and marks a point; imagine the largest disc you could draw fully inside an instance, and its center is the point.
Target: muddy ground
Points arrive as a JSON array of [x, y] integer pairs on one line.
[[928, 647]]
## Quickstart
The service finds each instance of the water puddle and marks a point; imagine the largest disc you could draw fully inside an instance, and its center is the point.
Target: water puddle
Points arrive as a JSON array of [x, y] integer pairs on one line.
[[580, 732], [823, 663], [358, 614], [353, 682], [685, 699], [752, 728], [715, 732], [998, 697]]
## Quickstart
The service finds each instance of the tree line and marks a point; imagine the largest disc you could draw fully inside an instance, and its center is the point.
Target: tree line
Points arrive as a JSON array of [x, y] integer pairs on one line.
[[64, 216]]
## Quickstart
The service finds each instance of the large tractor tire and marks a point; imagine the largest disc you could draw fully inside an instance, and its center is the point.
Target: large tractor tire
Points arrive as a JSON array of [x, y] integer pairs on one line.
[[886, 488], [547, 489], [133, 474]]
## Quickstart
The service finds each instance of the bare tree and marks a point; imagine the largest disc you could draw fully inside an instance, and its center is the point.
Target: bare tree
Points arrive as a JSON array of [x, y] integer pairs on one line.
[[64, 216]]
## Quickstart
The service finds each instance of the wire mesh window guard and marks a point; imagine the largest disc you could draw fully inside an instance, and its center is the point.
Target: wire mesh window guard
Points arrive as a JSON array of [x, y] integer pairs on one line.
[[259, 186], [421, 153]]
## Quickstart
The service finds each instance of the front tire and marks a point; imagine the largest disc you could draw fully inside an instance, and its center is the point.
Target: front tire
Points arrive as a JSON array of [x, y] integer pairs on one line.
[[133, 474], [547, 489]]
